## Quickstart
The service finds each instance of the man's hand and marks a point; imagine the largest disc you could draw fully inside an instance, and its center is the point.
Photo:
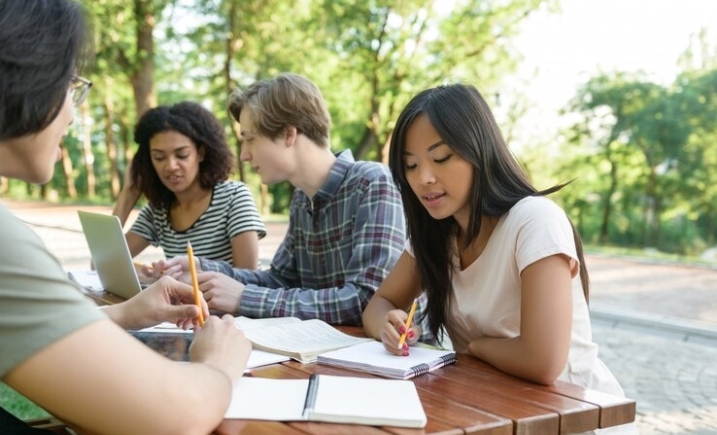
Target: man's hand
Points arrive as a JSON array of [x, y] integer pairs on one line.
[[177, 268], [221, 292], [167, 300]]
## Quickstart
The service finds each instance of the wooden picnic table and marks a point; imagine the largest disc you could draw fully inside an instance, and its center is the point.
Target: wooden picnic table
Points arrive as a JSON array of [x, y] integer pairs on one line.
[[468, 397]]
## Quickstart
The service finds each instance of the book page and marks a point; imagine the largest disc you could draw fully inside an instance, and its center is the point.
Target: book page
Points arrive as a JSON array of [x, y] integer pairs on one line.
[[86, 278], [259, 358], [268, 399], [167, 328], [246, 323], [375, 402], [304, 339], [373, 357]]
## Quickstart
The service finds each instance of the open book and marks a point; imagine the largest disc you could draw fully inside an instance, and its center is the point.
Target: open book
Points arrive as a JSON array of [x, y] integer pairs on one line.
[[373, 358], [86, 278], [174, 342], [299, 339], [335, 399], [302, 340]]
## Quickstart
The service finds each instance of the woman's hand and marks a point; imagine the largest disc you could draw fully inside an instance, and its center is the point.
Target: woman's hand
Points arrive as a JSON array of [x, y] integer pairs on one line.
[[394, 326]]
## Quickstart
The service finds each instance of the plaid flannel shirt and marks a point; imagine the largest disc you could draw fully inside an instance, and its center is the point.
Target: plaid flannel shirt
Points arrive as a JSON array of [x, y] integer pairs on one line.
[[339, 247]]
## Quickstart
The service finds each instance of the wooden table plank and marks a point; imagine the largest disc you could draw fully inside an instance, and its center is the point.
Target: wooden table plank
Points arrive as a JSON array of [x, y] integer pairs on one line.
[[527, 418], [613, 410], [576, 416], [256, 427], [444, 417]]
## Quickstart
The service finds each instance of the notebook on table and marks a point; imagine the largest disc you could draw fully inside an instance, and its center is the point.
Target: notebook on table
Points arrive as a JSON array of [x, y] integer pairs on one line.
[[110, 254], [334, 399], [372, 357]]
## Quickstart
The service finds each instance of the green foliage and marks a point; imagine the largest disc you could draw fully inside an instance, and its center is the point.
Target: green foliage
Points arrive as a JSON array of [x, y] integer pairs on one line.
[[640, 157], [18, 405], [651, 154]]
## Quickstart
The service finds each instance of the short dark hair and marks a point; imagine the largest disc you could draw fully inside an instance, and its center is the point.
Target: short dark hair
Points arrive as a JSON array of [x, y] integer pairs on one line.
[[285, 100], [466, 124], [199, 125], [42, 44]]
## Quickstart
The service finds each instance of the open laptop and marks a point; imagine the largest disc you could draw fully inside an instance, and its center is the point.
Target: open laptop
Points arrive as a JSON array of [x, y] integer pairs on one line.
[[110, 253]]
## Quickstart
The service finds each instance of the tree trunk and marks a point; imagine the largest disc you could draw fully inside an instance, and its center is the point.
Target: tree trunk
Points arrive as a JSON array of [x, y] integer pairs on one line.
[[87, 156], [112, 153], [126, 143], [70, 188], [142, 76], [607, 209], [231, 45], [386, 148], [649, 209], [370, 135]]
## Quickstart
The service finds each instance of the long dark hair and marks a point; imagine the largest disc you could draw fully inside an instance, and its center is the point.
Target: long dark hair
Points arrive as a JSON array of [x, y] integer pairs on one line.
[[198, 124], [42, 44], [464, 121]]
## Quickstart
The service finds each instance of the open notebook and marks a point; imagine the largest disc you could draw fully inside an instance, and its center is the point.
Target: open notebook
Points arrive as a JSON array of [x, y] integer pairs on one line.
[[335, 399], [371, 357]]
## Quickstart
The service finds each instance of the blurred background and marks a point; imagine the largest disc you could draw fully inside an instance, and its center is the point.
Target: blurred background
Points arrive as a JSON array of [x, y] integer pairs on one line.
[[619, 96]]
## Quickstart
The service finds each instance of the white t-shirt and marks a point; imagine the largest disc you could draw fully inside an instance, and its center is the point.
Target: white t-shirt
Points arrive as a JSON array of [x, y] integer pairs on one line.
[[486, 298]]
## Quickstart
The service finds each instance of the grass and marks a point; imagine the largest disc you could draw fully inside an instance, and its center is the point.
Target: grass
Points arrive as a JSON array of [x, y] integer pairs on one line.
[[18, 405]]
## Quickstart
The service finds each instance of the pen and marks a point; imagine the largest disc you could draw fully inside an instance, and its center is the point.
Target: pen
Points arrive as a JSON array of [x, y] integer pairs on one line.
[[195, 284], [408, 323]]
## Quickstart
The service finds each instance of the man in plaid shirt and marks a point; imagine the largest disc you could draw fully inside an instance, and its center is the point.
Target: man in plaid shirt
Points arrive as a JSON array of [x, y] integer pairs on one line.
[[346, 223]]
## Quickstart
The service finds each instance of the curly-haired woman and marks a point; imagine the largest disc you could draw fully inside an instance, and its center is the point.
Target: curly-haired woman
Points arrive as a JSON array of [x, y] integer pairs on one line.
[[181, 167]]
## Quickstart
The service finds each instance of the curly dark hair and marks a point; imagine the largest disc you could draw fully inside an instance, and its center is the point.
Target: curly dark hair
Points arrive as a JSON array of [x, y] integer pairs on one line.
[[198, 124], [42, 45]]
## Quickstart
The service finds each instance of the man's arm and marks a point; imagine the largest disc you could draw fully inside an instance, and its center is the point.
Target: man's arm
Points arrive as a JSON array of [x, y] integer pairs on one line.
[[378, 238]]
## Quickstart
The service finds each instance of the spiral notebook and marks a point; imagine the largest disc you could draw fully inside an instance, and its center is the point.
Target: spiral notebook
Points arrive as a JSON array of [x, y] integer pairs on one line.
[[372, 357], [334, 399]]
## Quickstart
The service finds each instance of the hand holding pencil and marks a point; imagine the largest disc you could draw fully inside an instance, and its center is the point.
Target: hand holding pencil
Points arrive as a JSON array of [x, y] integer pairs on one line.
[[195, 284], [409, 320], [399, 331]]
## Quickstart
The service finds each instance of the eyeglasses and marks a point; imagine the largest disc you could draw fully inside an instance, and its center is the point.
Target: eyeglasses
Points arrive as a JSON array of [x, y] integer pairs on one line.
[[80, 88]]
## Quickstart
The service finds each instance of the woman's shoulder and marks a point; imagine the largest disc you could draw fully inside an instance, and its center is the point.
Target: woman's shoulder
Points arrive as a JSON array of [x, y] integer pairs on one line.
[[230, 188], [531, 206], [230, 185]]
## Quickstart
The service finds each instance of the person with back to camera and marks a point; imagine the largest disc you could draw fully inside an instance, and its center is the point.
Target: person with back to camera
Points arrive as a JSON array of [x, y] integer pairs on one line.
[[181, 167], [496, 258], [56, 347], [346, 224]]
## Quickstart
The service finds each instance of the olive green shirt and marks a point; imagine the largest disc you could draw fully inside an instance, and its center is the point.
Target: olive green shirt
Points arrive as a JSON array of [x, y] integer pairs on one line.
[[38, 304]]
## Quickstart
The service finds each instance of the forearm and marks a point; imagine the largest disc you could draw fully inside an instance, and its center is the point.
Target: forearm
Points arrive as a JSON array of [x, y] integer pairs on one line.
[[518, 357], [374, 315], [336, 306], [119, 314], [126, 200], [148, 393], [131, 314]]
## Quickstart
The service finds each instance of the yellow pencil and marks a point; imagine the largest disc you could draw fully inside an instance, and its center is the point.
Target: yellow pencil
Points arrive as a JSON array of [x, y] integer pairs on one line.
[[408, 323], [195, 283]]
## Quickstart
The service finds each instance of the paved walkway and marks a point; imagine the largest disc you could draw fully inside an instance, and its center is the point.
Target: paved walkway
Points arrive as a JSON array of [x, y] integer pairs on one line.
[[656, 324]]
